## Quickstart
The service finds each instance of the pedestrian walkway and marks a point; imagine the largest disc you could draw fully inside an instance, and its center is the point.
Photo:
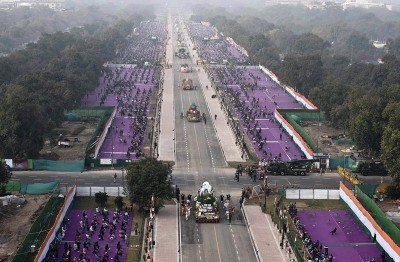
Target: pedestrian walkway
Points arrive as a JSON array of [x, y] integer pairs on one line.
[[167, 124], [224, 133], [264, 234], [166, 235]]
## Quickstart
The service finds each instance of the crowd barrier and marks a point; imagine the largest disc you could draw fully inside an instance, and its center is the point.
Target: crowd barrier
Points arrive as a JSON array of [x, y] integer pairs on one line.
[[91, 191], [48, 212], [104, 133], [44, 248], [384, 240], [296, 137], [299, 97], [376, 212], [300, 130], [312, 194]]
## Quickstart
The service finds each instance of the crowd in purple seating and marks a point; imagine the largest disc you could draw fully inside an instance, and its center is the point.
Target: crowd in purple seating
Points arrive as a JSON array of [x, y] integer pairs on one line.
[[212, 46], [93, 235], [254, 98], [130, 91], [146, 44]]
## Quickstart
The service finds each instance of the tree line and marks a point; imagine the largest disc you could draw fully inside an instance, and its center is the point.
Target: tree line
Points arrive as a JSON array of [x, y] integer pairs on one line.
[[358, 96], [38, 83], [24, 25]]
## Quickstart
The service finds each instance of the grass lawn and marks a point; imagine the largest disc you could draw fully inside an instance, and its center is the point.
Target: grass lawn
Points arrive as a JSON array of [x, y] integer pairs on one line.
[[135, 242]]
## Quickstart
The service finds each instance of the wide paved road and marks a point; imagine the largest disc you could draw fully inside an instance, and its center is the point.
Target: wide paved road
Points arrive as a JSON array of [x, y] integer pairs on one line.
[[199, 158]]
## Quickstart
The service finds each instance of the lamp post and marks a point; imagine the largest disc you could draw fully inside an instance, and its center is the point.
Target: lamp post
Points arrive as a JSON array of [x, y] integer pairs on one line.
[[123, 181], [112, 150], [265, 191]]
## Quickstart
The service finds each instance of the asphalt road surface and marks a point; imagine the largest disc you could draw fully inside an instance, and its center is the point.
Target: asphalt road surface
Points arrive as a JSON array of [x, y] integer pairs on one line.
[[199, 158]]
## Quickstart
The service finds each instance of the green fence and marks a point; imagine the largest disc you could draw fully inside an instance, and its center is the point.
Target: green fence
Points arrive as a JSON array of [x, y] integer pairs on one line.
[[98, 111], [295, 116], [68, 166], [368, 189], [96, 134], [304, 114], [50, 210], [13, 186], [380, 217], [39, 188], [303, 133], [346, 162]]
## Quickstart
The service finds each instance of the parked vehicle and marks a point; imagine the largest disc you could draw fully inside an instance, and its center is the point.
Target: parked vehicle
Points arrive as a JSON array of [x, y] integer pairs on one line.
[[373, 168], [290, 168]]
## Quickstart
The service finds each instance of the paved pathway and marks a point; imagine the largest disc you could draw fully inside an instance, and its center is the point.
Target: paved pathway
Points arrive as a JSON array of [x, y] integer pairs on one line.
[[265, 235], [167, 133], [166, 235]]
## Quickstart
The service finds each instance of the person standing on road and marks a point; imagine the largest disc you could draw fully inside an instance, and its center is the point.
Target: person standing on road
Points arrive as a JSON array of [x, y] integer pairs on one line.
[[215, 117], [115, 177]]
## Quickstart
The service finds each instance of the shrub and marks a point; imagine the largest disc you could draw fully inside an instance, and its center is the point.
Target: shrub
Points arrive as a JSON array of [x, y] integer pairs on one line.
[[101, 198]]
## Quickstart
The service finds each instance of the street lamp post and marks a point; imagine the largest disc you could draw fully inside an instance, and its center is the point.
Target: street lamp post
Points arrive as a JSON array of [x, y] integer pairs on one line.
[[112, 150], [265, 191], [123, 182]]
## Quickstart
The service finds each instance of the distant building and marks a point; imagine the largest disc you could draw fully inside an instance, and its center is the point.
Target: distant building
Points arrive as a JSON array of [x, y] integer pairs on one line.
[[52, 4], [283, 2], [364, 4], [322, 4], [379, 44]]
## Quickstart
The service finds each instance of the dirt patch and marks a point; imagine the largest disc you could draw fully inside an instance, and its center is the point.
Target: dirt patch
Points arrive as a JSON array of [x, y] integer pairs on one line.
[[15, 223], [78, 134], [323, 132], [387, 205]]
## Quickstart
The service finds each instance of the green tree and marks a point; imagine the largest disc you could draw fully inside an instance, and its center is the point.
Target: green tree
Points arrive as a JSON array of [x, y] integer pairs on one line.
[[5, 175], [302, 72], [146, 178], [119, 202], [390, 146], [367, 116], [101, 198], [308, 44], [393, 46]]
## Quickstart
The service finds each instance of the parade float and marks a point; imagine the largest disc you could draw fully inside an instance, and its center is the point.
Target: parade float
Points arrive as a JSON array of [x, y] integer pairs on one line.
[[206, 205], [187, 84], [185, 68], [193, 114]]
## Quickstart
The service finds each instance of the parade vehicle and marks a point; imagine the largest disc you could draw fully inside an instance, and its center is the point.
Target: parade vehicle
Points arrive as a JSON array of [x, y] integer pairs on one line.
[[206, 205], [185, 68], [182, 54], [187, 84], [289, 168], [193, 114], [372, 168]]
